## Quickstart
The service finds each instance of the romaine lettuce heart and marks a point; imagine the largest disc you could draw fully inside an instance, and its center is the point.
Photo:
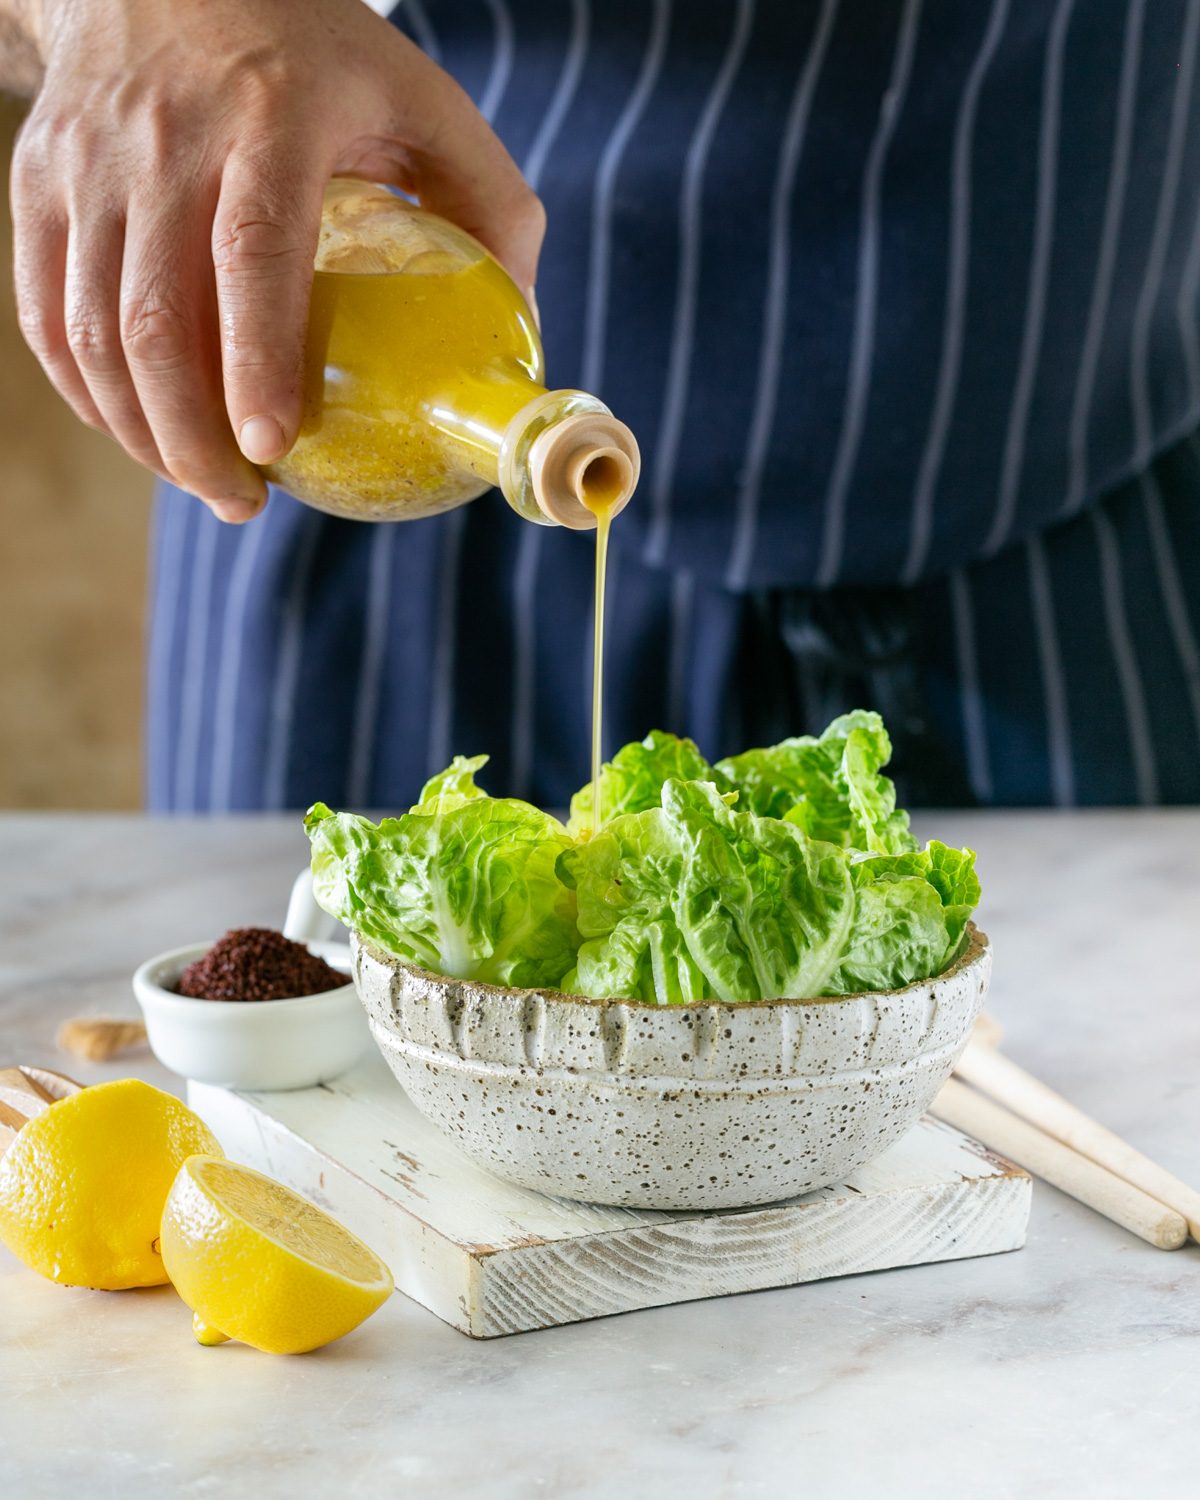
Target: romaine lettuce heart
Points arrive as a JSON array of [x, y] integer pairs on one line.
[[632, 781], [464, 886], [831, 787], [911, 911], [722, 904]]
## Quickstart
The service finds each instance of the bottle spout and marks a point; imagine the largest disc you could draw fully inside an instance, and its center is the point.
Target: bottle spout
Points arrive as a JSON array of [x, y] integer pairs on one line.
[[584, 467]]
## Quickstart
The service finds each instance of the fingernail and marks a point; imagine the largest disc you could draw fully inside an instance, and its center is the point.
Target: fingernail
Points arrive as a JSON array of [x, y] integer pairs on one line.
[[533, 307], [261, 439], [235, 511]]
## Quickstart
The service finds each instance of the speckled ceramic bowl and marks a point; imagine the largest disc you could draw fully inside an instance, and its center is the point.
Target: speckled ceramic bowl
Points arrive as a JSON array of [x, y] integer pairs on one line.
[[680, 1107]]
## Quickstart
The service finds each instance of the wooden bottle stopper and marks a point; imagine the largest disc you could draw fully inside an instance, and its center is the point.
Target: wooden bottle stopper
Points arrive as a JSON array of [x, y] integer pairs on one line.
[[585, 464]]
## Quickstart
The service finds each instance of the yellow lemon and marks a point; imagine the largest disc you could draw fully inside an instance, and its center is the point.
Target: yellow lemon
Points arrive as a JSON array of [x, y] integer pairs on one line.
[[257, 1262], [83, 1185]]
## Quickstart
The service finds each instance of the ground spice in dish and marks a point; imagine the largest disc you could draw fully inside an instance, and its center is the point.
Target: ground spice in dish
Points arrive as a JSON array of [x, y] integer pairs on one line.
[[256, 963]]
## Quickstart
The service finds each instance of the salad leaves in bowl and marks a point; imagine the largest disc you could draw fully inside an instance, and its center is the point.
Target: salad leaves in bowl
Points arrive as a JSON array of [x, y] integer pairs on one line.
[[782, 873], [748, 981]]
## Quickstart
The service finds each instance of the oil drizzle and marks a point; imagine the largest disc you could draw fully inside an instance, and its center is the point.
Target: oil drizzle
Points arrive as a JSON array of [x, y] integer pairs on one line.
[[602, 492], [603, 525]]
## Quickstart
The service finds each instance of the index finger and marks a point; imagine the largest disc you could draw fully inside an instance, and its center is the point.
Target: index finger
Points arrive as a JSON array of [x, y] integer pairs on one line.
[[264, 242], [168, 317]]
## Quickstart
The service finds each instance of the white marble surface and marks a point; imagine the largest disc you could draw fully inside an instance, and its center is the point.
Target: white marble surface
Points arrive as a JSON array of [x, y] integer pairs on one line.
[[1070, 1368]]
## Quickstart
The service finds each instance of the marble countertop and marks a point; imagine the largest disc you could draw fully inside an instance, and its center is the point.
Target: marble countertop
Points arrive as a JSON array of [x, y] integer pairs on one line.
[[1070, 1368]]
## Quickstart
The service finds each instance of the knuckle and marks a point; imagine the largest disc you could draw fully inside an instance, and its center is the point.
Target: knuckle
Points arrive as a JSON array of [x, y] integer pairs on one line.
[[29, 166], [256, 239], [249, 358], [267, 80], [159, 134], [66, 143], [91, 338], [43, 333], [155, 335], [41, 130]]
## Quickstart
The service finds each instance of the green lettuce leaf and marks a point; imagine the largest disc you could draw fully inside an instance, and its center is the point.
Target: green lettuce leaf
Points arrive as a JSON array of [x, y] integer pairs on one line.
[[454, 785], [910, 915], [463, 885], [624, 878], [831, 787], [633, 780], [696, 900]]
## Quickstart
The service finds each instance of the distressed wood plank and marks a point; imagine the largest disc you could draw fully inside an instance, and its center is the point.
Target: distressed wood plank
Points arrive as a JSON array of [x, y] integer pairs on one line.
[[492, 1258]]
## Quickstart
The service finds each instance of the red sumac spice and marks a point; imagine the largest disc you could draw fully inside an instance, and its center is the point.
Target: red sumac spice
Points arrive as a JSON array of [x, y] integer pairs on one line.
[[256, 963]]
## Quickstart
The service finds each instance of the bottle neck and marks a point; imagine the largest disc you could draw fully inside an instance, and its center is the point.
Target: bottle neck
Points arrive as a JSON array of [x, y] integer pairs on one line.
[[565, 460], [560, 458], [474, 417]]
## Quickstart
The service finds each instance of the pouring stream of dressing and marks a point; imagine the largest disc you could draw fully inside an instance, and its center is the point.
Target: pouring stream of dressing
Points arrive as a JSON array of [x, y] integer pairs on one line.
[[602, 492]]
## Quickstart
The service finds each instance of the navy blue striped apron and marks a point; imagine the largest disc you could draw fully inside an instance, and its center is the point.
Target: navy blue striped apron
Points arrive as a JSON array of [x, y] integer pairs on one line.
[[901, 301]]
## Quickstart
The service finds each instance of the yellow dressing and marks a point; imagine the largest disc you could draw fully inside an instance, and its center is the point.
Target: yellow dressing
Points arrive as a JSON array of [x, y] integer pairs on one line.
[[411, 378], [600, 494]]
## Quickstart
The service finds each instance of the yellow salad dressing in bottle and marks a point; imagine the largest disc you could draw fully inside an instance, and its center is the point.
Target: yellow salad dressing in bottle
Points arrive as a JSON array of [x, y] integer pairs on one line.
[[423, 382]]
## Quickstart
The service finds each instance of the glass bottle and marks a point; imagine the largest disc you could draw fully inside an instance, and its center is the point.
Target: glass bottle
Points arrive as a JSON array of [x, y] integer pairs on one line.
[[423, 381]]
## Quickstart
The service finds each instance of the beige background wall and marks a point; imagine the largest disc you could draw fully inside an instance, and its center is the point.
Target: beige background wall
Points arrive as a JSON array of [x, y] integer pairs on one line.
[[74, 518]]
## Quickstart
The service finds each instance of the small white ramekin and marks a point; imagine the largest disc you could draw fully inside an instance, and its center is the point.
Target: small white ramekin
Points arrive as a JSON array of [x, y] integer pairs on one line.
[[255, 1044]]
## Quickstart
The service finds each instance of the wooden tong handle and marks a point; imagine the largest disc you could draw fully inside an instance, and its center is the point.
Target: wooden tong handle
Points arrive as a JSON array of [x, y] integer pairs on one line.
[[1059, 1165], [26, 1092], [1025, 1095]]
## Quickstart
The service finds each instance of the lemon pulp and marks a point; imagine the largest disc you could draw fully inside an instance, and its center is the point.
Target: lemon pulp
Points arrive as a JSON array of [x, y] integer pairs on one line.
[[257, 1262]]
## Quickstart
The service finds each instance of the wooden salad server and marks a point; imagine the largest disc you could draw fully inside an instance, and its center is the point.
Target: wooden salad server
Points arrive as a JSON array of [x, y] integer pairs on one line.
[[1010, 1110], [26, 1092]]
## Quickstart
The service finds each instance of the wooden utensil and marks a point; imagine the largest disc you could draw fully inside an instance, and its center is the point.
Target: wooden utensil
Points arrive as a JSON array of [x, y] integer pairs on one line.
[[996, 1075], [987, 1031], [26, 1092], [1060, 1165], [97, 1038]]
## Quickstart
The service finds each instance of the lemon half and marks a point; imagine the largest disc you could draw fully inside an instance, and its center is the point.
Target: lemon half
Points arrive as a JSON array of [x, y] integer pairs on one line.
[[83, 1185], [257, 1262]]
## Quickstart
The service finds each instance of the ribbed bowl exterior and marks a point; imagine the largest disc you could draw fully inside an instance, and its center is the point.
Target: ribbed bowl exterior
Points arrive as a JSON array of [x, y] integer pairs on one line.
[[669, 1107]]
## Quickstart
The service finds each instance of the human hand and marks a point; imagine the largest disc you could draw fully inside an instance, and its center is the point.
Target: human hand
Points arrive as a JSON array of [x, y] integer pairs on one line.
[[166, 199]]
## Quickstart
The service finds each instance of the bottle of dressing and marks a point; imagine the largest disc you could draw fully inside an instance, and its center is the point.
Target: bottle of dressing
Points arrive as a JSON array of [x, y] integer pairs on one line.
[[423, 389], [423, 382]]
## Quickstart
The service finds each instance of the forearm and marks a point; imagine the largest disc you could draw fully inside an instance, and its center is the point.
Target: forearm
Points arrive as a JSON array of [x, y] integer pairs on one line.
[[20, 54]]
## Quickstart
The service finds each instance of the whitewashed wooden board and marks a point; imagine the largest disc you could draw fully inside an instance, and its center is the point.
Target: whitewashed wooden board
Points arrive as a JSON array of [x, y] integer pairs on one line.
[[491, 1258]]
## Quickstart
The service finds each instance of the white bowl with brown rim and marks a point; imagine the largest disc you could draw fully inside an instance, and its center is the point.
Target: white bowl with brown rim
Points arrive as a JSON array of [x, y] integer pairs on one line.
[[669, 1107]]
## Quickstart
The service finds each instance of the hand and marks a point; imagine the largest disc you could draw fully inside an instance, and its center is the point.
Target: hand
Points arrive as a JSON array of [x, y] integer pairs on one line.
[[166, 198]]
